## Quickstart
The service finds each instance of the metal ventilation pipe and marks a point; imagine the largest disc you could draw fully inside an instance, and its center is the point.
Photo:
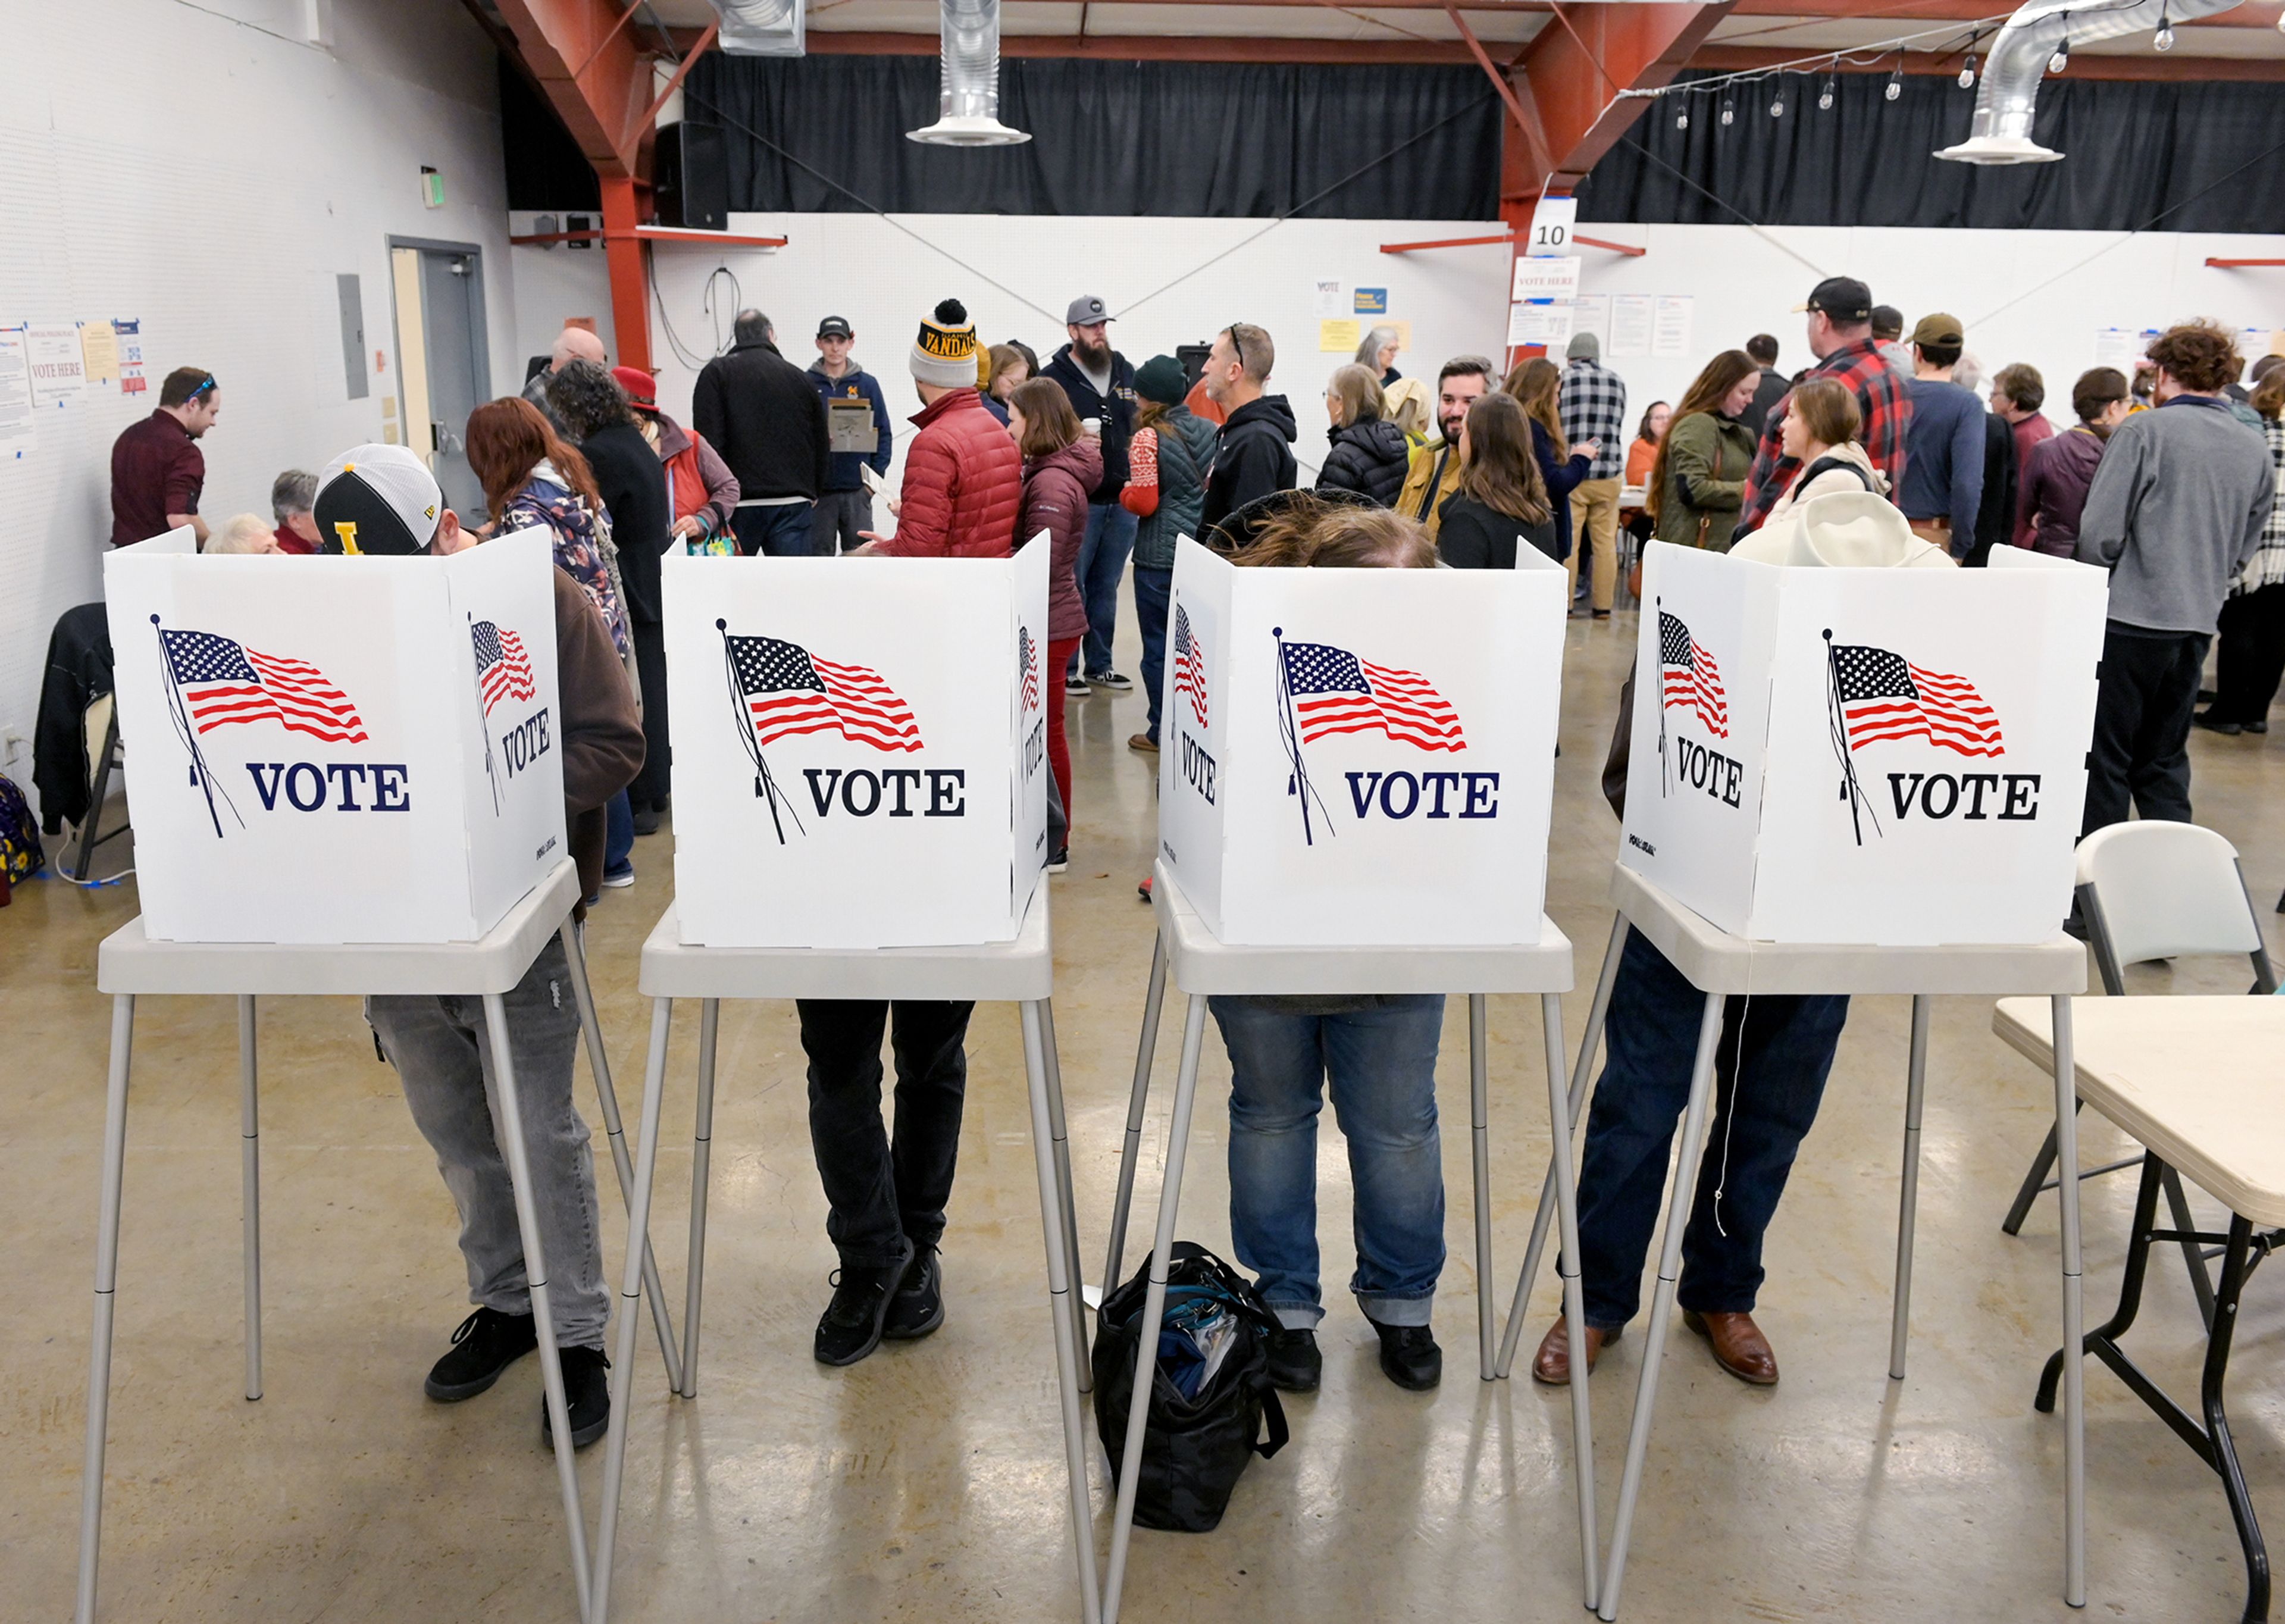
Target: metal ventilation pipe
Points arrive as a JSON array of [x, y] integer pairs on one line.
[[2001, 132], [761, 28], [969, 108]]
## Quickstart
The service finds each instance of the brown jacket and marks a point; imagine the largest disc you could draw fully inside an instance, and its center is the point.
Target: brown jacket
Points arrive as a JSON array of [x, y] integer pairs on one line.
[[603, 737]]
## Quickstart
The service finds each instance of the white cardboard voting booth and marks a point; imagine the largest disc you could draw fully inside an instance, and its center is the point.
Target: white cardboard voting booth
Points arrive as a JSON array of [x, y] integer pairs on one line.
[[1361, 756], [1895, 758], [338, 749], [860, 748]]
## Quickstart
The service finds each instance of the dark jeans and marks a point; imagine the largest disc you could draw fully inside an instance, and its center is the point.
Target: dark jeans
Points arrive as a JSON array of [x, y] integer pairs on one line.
[[781, 530], [1154, 589], [1101, 560], [1786, 1047], [879, 1191], [2251, 657], [650, 788], [838, 520], [618, 832], [2142, 710]]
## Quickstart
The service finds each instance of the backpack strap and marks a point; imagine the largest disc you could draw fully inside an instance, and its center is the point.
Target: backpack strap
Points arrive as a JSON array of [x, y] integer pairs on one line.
[[1825, 464]]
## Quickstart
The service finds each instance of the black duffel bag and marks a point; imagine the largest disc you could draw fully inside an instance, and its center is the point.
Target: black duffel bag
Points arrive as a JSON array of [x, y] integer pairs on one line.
[[1194, 1448]]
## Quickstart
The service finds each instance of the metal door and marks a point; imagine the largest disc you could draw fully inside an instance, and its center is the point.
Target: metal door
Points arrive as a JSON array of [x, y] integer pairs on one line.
[[459, 376]]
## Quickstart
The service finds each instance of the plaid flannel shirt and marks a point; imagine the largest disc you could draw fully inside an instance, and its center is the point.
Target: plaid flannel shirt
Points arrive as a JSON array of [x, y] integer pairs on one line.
[[1887, 411], [2266, 567], [1593, 406]]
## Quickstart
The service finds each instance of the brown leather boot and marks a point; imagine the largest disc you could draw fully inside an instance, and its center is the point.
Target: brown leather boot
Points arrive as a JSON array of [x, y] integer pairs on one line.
[[1552, 1363], [1738, 1343]]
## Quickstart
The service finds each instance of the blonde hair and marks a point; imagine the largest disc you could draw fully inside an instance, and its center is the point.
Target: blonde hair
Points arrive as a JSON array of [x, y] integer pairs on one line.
[[1407, 404], [245, 533], [1358, 390]]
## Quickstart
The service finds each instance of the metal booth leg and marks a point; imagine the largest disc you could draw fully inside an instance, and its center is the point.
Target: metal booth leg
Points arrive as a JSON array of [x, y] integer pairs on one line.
[[106, 1280], [1598, 1012], [1060, 1143], [709, 1020], [631, 1285], [535, 1268], [2234, 1269], [1479, 1129], [1574, 1301], [1132, 1147], [614, 1130], [1688, 1152], [1908, 1202], [249, 1132], [1063, 1292], [2067, 1195], [1154, 1305]]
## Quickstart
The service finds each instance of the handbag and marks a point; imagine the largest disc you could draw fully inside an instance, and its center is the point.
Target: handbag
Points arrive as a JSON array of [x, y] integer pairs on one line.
[[1210, 1392]]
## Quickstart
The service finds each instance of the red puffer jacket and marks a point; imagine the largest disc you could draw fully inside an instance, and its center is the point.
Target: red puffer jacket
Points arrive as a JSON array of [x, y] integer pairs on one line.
[[963, 483], [1054, 500]]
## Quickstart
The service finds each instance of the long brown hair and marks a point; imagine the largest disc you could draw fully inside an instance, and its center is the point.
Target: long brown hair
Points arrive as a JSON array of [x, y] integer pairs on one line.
[[1707, 392], [1502, 473], [1049, 423], [1312, 532], [507, 439], [1538, 383]]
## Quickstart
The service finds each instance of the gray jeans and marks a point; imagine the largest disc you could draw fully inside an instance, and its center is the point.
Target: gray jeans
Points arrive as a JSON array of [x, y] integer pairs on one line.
[[840, 514], [439, 1047]]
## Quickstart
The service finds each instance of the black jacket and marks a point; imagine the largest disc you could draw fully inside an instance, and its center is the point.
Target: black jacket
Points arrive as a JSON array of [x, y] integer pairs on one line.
[[1117, 414], [765, 417], [78, 671], [1771, 390], [633, 484], [1252, 456], [1368, 459], [1995, 518], [1474, 536]]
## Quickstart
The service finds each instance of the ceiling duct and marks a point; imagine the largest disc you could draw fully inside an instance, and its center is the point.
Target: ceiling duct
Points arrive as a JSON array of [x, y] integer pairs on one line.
[[969, 111], [761, 28], [2001, 132]]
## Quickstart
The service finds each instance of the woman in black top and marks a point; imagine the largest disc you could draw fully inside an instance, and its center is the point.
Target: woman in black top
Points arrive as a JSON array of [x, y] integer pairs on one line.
[[1501, 498], [633, 485], [1367, 453]]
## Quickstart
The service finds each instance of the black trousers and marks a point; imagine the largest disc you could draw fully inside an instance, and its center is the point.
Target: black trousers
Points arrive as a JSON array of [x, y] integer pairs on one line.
[[878, 1189], [2142, 710], [2251, 657], [650, 788]]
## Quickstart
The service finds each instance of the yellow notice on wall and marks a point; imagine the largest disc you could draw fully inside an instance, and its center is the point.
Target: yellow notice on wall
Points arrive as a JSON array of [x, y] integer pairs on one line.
[[1333, 336], [99, 346]]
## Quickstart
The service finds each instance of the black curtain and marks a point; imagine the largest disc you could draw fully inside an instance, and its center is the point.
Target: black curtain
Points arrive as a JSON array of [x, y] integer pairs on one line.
[[2131, 150], [546, 169], [1183, 139]]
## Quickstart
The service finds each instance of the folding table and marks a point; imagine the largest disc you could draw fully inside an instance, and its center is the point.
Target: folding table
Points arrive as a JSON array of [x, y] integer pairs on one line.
[[1203, 966], [1019, 972], [129, 964]]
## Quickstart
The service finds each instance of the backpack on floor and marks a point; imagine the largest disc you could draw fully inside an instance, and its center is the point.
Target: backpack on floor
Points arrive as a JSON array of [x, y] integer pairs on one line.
[[19, 835], [1210, 1392]]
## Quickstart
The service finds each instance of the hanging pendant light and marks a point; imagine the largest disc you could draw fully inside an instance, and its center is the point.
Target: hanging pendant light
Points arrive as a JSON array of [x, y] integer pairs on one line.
[[2165, 38], [2060, 61], [1776, 105], [1728, 116], [1682, 119], [1895, 85], [1824, 97], [1967, 73]]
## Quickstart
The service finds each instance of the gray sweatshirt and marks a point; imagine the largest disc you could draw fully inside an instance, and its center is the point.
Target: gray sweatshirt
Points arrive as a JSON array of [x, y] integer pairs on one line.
[[2176, 509]]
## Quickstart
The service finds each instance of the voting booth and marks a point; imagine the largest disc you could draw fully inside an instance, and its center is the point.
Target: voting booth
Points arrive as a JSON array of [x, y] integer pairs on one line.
[[1361, 756], [860, 749], [338, 749], [1895, 757]]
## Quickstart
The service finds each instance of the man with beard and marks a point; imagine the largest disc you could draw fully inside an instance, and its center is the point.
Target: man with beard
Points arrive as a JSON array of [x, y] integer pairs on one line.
[[1101, 386], [1435, 471]]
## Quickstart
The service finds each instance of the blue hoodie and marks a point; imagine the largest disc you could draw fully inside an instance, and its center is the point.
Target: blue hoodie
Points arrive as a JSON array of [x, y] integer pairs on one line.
[[855, 384]]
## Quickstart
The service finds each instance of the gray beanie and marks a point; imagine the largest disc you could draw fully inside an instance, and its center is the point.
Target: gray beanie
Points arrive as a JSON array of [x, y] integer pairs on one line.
[[1584, 347]]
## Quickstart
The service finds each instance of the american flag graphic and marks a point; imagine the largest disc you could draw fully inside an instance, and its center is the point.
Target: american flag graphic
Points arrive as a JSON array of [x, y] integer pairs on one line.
[[1883, 695], [502, 669], [1028, 667], [223, 681], [1189, 666], [1689, 677], [787, 690], [1334, 692]]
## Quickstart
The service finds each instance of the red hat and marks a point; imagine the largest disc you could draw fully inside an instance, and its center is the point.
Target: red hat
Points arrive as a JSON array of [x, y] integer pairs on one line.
[[641, 388]]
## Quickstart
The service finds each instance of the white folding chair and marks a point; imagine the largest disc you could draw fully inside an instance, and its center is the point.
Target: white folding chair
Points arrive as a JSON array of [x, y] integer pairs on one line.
[[2155, 890]]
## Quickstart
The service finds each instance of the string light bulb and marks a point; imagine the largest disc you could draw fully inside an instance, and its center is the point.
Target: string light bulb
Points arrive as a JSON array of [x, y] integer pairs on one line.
[[1824, 97], [2060, 61], [1682, 119], [2165, 39], [1895, 85], [1728, 116], [1776, 105], [1967, 73]]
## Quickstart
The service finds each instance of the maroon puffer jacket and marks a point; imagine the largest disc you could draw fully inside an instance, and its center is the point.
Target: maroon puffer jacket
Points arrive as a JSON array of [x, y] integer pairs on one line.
[[1054, 500], [963, 483]]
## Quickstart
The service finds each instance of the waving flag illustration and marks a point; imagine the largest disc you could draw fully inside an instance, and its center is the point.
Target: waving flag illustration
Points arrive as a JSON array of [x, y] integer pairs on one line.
[[1328, 690], [1688, 676], [503, 671], [1875, 695], [778, 690], [1189, 666], [1028, 667], [214, 681]]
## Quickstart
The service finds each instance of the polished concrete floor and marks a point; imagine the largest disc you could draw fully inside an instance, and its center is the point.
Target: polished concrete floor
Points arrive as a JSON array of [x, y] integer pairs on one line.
[[927, 1482]]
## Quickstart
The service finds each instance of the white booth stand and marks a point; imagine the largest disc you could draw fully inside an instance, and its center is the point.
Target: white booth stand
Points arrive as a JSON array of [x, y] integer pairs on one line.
[[860, 812], [1310, 844], [447, 669], [1758, 690]]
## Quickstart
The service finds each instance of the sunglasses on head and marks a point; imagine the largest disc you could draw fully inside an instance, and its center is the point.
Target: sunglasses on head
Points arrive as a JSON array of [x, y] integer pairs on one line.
[[1238, 344], [201, 389]]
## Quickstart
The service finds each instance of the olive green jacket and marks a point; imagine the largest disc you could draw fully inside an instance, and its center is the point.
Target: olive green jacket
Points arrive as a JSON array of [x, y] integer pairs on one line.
[[1709, 455]]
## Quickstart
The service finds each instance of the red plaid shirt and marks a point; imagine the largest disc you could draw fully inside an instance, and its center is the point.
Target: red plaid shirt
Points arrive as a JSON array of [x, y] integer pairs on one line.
[[1888, 410]]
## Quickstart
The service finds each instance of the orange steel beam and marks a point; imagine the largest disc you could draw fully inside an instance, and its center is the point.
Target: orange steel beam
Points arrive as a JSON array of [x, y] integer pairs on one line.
[[1630, 250], [594, 74], [682, 71], [2231, 264], [1573, 74], [1526, 120]]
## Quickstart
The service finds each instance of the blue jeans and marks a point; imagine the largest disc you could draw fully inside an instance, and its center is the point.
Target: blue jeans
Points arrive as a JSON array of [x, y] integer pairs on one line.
[[1381, 1064], [781, 530], [1786, 1047], [1153, 590], [619, 832], [1101, 560]]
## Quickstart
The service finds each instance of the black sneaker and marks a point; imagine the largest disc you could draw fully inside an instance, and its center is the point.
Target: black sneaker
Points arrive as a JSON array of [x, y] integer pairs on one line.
[[1059, 859], [646, 822], [2212, 723], [1076, 688], [1295, 1365], [486, 1344], [1112, 680], [851, 1326], [586, 1397], [917, 1308], [1409, 1357]]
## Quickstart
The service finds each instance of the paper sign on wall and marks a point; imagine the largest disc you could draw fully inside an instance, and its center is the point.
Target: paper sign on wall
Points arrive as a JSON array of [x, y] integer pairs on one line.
[[2122, 347], [1372, 300], [1344, 335], [15, 390], [1545, 278], [1670, 325], [1329, 298], [98, 349], [1538, 324], [1552, 224], [1591, 313], [58, 370], [127, 336], [1630, 325]]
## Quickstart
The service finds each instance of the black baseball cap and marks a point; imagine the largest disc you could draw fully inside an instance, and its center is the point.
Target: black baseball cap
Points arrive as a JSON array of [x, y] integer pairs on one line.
[[834, 326], [1841, 298]]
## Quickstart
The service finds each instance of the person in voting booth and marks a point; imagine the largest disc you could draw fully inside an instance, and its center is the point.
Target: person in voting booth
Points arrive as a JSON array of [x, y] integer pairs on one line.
[[381, 500], [1770, 1070], [1375, 1053]]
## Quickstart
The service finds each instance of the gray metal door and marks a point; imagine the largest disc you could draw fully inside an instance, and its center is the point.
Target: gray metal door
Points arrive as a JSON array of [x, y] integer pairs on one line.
[[460, 372]]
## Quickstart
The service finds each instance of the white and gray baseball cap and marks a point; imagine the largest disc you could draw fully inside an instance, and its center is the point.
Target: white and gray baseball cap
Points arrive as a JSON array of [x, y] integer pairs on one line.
[[378, 499]]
